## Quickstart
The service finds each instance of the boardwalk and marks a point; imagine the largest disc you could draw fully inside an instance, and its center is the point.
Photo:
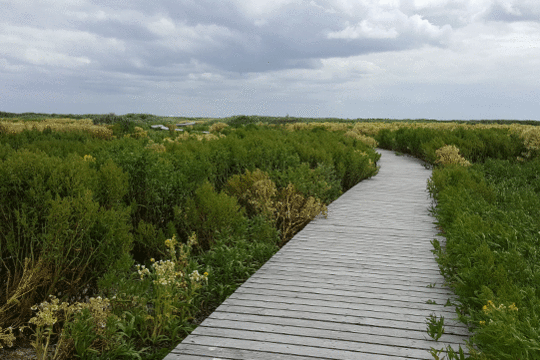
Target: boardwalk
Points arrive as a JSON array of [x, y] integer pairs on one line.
[[353, 286]]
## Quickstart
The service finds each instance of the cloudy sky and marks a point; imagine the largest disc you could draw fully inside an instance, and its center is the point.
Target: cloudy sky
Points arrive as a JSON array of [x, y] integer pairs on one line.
[[437, 59]]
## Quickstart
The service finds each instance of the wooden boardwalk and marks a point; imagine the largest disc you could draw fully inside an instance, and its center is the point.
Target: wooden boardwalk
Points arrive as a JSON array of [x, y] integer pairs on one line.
[[352, 286]]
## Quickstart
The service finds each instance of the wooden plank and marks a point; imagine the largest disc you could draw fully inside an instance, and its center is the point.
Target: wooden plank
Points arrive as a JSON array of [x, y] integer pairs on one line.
[[197, 352], [333, 349], [265, 347], [432, 277], [458, 329], [352, 251], [351, 286], [366, 337], [359, 317], [322, 260], [347, 283], [380, 307], [334, 326], [403, 307], [364, 287], [360, 292], [344, 276]]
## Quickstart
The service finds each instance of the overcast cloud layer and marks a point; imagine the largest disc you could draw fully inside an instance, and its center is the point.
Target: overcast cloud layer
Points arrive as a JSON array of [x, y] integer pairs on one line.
[[439, 59]]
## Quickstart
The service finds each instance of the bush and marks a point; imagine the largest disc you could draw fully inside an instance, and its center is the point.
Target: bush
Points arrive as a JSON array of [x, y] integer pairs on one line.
[[294, 211], [210, 213], [230, 263], [254, 191], [489, 216], [449, 154], [78, 210], [50, 212]]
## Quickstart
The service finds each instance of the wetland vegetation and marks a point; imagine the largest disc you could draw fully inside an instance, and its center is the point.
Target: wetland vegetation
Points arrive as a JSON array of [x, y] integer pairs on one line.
[[117, 239]]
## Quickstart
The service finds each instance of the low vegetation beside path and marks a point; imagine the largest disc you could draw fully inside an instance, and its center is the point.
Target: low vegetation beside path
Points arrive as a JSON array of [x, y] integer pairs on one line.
[[486, 183], [117, 239]]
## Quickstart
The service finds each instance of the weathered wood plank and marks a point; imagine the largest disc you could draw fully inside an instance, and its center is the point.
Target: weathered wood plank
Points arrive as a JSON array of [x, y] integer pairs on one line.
[[352, 251], [198, 352], [359, 292], [356, 285], [304, 345], [350, 290], [347, 283], [366, 318], [262, 347], [344, 277], [381, 307], [402, 307], [366, 337], [322, 260], [360, 270], [334, 326]]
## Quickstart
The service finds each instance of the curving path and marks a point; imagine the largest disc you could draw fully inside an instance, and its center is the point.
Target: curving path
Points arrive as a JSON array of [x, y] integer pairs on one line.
[[353, 286]]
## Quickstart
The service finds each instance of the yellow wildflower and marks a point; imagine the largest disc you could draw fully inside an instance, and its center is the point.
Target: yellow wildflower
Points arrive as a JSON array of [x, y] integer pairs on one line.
[[89, 158]]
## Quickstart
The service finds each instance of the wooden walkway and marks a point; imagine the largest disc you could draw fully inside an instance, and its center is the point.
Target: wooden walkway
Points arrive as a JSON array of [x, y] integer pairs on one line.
[[352, 286]]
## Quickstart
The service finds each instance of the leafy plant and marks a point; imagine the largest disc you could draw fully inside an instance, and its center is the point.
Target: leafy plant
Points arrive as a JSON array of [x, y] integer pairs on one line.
[[435, 326]]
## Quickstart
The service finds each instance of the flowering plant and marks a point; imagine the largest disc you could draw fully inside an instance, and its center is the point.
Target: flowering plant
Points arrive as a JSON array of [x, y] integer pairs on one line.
[[173, 289]]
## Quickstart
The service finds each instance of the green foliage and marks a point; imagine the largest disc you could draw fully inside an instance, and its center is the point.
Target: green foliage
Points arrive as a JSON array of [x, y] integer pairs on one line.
[[435, 326], [489, 214], [82, 331], [211, 213], [232, 263], [254, 191], [476, 145], [241, 120], [112, 185], [77, 211], [320, 182], [49, 210]]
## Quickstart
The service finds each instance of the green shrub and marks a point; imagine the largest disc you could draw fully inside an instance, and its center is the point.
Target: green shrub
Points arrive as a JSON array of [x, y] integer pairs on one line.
[[255, 191], [210, 213], [50, 211], [321, 182], [84, 208], [476, 145], [230, 263], [489, 214]]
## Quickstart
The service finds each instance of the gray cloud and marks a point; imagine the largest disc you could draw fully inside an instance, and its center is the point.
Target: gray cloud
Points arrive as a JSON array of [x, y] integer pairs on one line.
[[318, 57]]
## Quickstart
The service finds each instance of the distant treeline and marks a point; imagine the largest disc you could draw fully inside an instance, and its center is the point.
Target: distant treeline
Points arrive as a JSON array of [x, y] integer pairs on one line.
[[112, 118]]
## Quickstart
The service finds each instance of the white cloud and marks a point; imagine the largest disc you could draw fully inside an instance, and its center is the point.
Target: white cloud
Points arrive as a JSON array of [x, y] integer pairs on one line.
[[182, 37], [54, 47], [422, 4], [206, 76], [330, 10], [330, 73], [382, 24], [423, 27], [365, 29], [162, 27], [262, 8], [40, 57], [476, 54]]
